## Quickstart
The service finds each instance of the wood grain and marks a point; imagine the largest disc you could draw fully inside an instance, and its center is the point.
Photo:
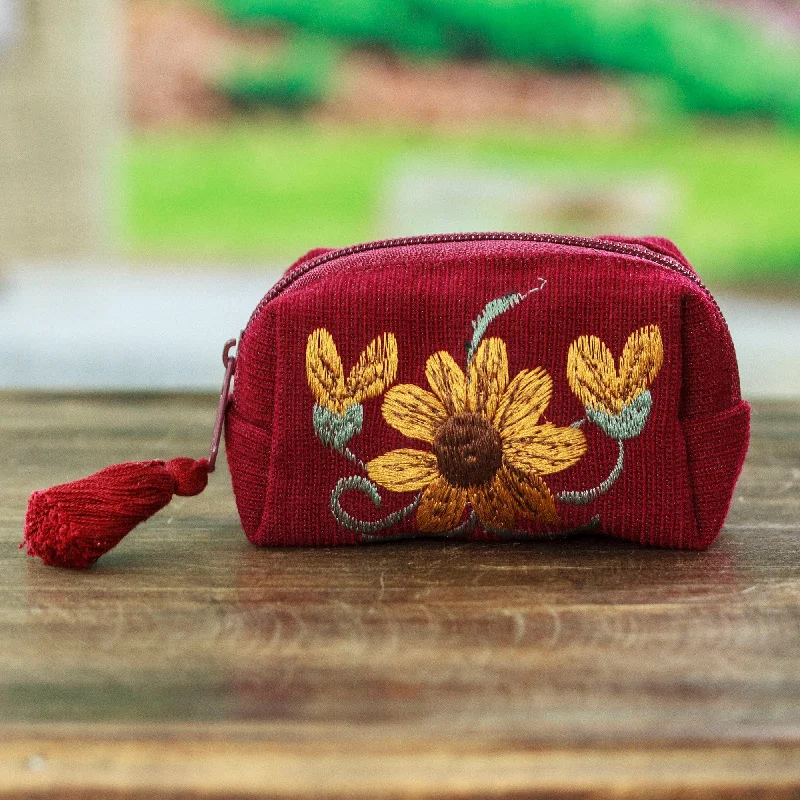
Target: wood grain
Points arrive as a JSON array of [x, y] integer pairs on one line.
[[189, 663]]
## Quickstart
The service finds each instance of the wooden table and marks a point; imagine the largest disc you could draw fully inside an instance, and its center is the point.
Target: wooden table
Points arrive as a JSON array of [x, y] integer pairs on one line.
[[189, 663]]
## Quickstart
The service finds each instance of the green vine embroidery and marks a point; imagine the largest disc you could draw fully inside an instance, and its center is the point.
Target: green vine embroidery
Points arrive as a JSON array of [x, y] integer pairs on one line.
[[587, 495], [488, 445], [491, 311], [367, 487]]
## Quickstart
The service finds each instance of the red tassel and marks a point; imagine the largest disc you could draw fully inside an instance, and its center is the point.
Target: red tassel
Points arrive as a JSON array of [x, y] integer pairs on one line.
[[73, 524]]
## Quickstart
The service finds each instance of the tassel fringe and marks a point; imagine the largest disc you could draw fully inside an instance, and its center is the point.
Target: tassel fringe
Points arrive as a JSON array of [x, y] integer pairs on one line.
[[73, 524]]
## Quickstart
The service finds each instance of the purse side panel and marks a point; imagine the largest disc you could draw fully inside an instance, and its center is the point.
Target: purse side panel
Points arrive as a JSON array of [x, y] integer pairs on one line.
[[714, 418]]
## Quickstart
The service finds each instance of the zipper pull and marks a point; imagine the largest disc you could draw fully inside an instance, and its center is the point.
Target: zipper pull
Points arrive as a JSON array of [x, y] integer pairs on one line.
[[229, 362]]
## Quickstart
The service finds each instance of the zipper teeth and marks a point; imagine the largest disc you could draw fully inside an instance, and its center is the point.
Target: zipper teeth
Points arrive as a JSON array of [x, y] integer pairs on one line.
[[443, 238]]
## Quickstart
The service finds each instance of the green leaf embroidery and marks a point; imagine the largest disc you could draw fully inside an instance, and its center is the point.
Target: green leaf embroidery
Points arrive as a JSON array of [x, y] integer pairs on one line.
[[336, 430], [491, 311]]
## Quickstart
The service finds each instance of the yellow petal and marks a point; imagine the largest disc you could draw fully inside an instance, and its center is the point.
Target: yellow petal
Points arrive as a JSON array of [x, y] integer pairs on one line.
[[488, 377], [548, 449], [376, 369], [324, 371], [403, 470], [441, 507], [493, 503], [447, 381], [530, 495], [523, 403], [413, 411], [592, 374], [640, 362]]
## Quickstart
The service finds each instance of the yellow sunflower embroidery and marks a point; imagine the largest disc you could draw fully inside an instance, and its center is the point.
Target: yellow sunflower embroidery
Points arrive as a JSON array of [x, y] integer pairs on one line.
[[488, 446], [595, 379]]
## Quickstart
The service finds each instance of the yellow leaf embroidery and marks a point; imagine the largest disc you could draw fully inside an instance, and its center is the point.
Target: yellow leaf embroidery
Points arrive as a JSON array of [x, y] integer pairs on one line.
[[325, 372], [594, 378], [376, 369], [640, 361]]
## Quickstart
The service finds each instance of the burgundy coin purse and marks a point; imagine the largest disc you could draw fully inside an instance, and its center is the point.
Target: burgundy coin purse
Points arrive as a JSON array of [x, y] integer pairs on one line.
[[488, 386]]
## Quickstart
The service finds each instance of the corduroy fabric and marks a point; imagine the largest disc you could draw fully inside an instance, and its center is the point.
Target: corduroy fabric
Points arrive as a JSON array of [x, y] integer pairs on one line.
[[679, 473]]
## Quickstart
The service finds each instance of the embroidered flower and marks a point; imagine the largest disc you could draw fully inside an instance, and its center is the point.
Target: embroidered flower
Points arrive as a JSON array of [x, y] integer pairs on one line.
[[617, 399], [488, 445], [338, 414]]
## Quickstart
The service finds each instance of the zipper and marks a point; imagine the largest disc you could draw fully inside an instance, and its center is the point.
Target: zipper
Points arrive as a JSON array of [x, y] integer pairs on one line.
[[229, 362], [639, 251]]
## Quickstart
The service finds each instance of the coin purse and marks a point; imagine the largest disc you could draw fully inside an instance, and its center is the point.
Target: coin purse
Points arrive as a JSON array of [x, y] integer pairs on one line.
[[489, 386]]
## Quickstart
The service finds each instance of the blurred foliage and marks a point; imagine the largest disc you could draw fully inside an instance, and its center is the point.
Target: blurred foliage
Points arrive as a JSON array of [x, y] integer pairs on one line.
[[399, 24], [299, 76], [272, 189], [275, 190], [713, 59]]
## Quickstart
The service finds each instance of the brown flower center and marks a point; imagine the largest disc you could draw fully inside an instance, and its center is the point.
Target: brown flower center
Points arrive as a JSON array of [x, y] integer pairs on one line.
[[469, 450]]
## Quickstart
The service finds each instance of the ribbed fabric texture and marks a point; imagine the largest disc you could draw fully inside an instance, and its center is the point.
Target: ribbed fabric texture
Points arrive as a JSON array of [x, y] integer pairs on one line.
[[679, 474]]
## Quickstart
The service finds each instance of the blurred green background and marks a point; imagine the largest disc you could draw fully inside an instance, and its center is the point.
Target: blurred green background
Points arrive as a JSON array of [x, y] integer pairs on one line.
[[695, 105], [247, 192]]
